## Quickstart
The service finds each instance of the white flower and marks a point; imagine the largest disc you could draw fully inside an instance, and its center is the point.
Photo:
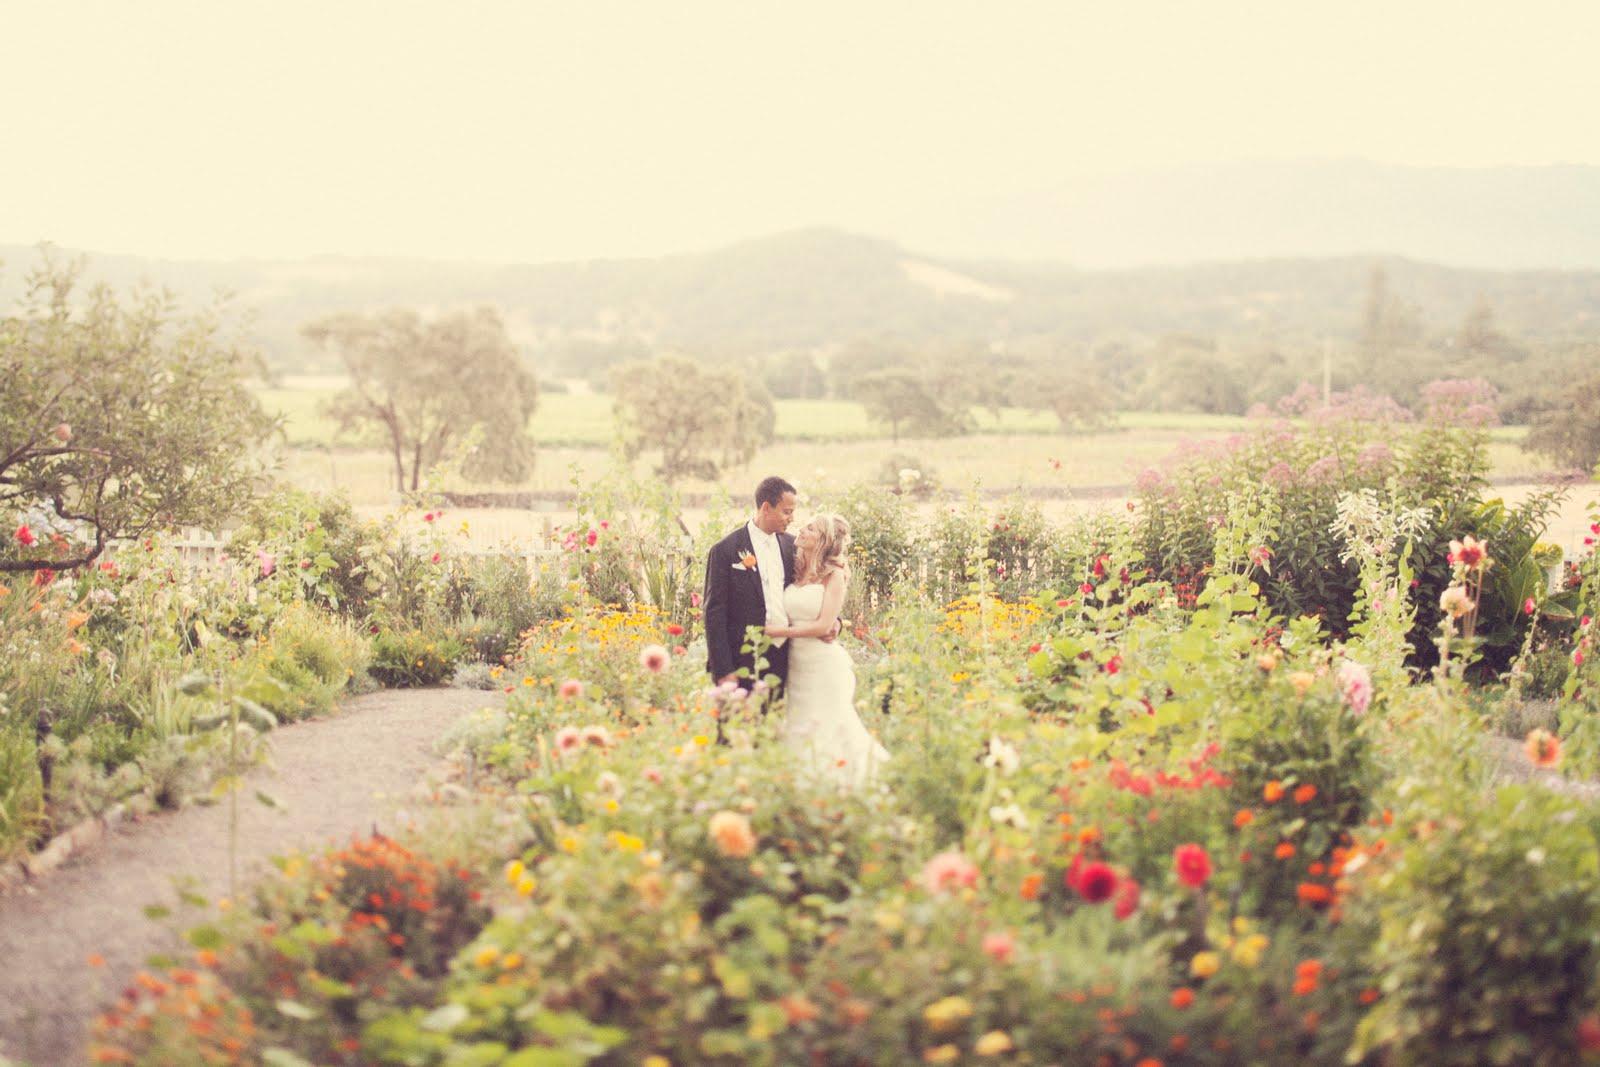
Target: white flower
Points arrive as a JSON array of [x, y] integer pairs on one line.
[[1010, 815], [1001, 756]]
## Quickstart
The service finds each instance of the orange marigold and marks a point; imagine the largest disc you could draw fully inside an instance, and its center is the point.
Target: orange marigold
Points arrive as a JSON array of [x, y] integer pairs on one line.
[[1305, 794], [1243, 817], [1272, 792]]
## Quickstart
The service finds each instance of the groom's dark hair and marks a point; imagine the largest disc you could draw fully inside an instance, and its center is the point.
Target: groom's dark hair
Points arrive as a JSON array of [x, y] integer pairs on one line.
[[771, 491]]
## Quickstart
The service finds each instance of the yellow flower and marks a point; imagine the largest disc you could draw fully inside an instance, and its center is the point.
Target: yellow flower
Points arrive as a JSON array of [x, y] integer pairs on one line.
[[610, 805], [526, 886], [486, 957], [1204, 964], [948, 1013], [514, 871], [1301, 680], [702, 740], [512, 961], [994, 1043], [626, 842], [569, 844], [655, 1061], [941, 1054], [1247, 953]]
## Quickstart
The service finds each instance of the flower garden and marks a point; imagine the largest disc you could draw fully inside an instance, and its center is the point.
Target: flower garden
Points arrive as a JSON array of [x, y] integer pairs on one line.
[[1213, 782]]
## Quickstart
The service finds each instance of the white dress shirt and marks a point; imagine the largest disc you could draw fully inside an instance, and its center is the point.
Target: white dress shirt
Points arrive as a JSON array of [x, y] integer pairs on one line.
[[769, 565]]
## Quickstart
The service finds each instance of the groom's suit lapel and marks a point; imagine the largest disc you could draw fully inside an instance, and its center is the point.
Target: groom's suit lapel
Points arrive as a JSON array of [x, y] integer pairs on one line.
[[746, 547]]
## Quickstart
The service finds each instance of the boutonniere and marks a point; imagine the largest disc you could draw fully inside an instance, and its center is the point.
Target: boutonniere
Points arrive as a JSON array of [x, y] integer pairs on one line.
[[748, 561]]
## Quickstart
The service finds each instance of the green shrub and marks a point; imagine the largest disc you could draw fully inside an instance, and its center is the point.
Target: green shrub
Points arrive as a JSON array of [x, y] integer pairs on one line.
[[404, 659], [21, 794], [1477, 927]]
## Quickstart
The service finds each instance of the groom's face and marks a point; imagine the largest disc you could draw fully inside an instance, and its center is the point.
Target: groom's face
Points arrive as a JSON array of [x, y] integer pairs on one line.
[[775, 518]]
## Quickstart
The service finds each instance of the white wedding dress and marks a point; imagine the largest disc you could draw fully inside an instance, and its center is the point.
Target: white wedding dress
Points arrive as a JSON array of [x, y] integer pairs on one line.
[[822, 727]]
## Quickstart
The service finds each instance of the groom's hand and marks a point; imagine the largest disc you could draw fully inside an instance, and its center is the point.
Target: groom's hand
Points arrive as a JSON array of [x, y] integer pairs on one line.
[[726, 678], [833, 635]]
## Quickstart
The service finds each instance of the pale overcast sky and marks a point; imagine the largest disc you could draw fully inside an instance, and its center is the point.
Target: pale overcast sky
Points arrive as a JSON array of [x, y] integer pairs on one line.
[[535, 131]]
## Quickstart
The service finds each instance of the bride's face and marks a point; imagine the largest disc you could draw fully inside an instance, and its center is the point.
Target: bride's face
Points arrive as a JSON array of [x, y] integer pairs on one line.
[[807, 540]]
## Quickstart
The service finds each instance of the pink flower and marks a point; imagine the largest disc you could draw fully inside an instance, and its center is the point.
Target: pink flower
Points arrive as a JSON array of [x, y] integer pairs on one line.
[[1127, 901], [653, 775], [1528, 606], [429, 517], [435, 558], [1000, 946], [694, 600], [949, 871], [654, 658], [571, 689], [1192, 864], [568, 739], [266, 561], [1468, 552], [1355, 686], [25, 536], [62, 432], [592, 537]]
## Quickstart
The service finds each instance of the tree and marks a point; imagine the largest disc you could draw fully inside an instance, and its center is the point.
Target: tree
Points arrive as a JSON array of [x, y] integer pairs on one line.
[[1569, 433], [700, 420], [420, 387], [117, 419], [1388, 323], [909, 400]]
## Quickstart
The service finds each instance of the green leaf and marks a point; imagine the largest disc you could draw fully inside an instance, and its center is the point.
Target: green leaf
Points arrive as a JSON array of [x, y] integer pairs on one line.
[[268, 800], [206, 936], [294, 1009], [545, 1057], [255, 714], [195, 683], [156, 911]]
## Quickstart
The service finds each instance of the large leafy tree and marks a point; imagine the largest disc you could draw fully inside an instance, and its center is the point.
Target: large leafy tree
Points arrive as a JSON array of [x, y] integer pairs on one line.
[[1569, 432], [698, 420], [117, 418], [422, 387], [914, 401]]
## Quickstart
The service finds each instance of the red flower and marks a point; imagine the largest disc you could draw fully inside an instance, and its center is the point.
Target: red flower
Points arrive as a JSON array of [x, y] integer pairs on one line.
[[674, 629], [1096, 882], [43, 577], [1528, 606], [1192, 864], [1589, 1033], [1085, 588], [25, 536], [434, 558], [592, 538], [1113, 665]]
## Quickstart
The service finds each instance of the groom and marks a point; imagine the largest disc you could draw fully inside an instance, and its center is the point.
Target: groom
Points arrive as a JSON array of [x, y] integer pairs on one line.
[[746, 573]]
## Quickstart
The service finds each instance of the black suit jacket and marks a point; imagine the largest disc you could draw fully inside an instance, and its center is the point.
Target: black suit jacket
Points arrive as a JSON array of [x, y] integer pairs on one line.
[[735, 601]]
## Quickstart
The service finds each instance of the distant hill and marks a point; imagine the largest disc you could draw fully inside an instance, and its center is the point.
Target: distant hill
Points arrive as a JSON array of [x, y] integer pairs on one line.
[[821, 288], [1517, 218]]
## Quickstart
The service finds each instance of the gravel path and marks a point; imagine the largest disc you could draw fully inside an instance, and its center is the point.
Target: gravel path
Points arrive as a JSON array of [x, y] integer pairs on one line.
[[337, 777]]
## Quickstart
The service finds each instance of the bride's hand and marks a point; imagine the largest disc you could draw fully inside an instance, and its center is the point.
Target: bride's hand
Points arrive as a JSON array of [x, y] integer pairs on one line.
[[774, 630]]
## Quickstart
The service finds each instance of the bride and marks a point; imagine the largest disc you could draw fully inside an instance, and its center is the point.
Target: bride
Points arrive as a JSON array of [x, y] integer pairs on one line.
[[822, 726]]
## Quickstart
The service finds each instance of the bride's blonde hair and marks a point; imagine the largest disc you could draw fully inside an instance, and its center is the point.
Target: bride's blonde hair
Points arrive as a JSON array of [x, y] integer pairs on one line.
[[828, 557]]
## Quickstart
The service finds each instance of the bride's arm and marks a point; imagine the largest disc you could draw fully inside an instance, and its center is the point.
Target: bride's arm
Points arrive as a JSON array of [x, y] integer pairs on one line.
[[833, 590]]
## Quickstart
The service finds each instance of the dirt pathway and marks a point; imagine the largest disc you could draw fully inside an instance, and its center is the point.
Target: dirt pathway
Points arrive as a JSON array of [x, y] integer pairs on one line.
[[337, 777]]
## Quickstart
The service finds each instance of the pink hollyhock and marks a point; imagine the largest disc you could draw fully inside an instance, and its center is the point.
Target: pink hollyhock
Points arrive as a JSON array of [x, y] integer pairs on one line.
[[949, 871], [654, 658], [1192, 864], [1127, 901], [1000, 946], [1355, 686], [25, 536]]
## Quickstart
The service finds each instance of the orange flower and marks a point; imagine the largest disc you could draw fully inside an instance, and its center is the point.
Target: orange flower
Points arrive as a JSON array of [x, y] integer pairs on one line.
[[96, 960], [1182, 997], [1273, 792], [748, 561], [1308, 969], [1368, 996], [1312, 893], [1284, 850], [1305, 794], [1031, 885], [1244, 817], [797, 1008], [1543, 748], [731, 831], [1304, 986]]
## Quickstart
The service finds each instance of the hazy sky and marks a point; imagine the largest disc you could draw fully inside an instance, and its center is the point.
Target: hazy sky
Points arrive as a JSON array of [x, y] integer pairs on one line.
[[534, 131]]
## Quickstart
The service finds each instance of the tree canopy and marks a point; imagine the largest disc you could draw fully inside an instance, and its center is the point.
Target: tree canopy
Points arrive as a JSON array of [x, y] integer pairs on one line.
[[698, 419], [421, 387], [117, 418], [1569, 433]]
